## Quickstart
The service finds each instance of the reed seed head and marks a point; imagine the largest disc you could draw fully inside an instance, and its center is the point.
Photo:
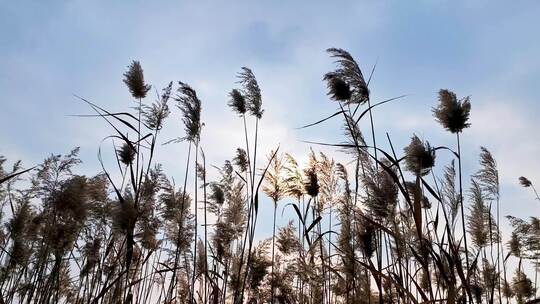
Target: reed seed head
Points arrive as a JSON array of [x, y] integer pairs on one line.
[[241, 160], [349, 73], [126, 154], [134, 79], [237, 102], [419, 157], [338, 89], [190, 105], [525, 182], [251, 92], [155, 114], [452, 114], [311, 184]]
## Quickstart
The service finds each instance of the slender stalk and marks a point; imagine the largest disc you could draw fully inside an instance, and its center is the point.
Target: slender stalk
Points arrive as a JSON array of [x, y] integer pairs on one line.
[[249, 196], [205, 232], [273, 249], [254, 213], [196, 226], [177, 251], [461, 202]]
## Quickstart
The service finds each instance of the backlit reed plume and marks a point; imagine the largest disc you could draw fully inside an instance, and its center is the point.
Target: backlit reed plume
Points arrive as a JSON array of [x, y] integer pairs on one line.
[[478, 219], [488, 175], [23, 229], [294, 182], [126, 154], [251, 92], [450, 194], [155, 114], [274, 185], [452, 114], [522, 287], [311, 182], [241, 160], [525, 182], [216, 199], [355, 144], [134, 79], [419, 157], [176, 212], [381, 194], [287, 240], [259, 270], [190, 105], [366, 237], [515, 244], [237, 102], [525, 242], [338, 89], [347, 79]]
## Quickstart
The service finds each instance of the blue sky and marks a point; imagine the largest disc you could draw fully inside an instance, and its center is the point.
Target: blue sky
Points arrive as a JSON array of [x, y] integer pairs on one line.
[[50, 50]]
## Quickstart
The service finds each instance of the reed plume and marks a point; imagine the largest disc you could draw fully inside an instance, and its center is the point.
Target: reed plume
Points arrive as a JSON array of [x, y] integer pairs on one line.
[[237, 102], [525, 182], [126, 154], [451, 113], [348, 74], [190, 105], [338, 89], [134, 80], [251, 92], [419, 157]]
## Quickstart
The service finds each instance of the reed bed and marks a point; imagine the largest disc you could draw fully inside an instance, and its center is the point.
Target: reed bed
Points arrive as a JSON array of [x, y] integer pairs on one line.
[[381, 227]]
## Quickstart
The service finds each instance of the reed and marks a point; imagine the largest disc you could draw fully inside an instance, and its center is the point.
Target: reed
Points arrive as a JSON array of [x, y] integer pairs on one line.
[[386, 225]]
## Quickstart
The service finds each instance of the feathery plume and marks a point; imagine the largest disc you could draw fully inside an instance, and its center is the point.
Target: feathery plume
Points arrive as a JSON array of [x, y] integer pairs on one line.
[[311, 183], [348, 72], [515, 244], [338, 89], [190, 105], [488, 175], [419, 157], [274, 185], [126, 154], [294, 181], [216, 198], [134, 79], [382, 193], [452, 114], [177, 214], [251, 92], [241, 160], [476, 219], [237, 101], [155, 114], [525, 182], [366, 237], [522, 286], [287, 241], [449, 191]]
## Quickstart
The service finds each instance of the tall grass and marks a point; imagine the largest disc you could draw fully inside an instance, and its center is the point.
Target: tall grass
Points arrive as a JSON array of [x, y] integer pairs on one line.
[[381, 227]]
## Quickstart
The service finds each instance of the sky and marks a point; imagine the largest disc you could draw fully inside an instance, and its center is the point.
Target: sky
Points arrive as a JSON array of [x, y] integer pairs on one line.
[[51, 51]]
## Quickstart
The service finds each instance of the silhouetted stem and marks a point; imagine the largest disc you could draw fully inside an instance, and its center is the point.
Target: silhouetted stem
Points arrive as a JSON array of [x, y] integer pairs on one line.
[[273, 249], [462, 209]]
